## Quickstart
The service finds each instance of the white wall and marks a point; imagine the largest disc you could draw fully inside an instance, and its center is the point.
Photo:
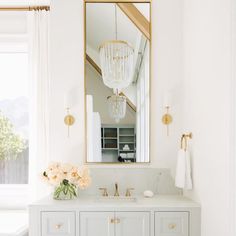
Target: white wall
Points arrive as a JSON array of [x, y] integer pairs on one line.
[[207, 62], [207, 93], [67, 71], [166, 75], [233, 125], [67, 47]]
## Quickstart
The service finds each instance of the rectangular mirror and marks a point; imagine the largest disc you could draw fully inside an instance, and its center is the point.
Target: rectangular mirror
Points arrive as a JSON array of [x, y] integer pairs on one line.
[[117, 81]]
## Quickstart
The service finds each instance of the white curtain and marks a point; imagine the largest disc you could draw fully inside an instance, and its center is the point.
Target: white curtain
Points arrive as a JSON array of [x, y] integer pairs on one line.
[[40, 94]]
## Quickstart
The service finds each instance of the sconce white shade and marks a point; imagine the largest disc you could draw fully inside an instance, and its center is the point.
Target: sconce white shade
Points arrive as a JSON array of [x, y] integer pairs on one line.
[[71, 98], [167, 99]]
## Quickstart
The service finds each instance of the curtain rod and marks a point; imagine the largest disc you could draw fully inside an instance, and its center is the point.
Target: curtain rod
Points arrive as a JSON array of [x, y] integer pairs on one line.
[[26, 8]]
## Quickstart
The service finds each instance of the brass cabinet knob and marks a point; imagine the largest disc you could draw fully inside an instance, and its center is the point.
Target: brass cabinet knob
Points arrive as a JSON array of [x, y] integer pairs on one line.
[[58, 226], [172, 226], [128, 192], [115, 221], [104, 194]]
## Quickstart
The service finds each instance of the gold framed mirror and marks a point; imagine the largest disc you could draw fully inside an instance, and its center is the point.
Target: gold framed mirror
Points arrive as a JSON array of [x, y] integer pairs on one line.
[[117, 81]]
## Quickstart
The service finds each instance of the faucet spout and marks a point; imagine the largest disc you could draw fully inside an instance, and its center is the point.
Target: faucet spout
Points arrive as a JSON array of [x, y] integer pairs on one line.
[[116, 190]]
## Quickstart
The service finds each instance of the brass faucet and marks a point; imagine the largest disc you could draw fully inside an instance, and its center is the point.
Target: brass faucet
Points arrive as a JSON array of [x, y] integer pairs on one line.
[[128, 192], [104, 194], [116, 190]]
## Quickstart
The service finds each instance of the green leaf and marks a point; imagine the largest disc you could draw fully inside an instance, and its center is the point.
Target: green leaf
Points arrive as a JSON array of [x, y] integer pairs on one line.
[[72, 190], [66, 190]]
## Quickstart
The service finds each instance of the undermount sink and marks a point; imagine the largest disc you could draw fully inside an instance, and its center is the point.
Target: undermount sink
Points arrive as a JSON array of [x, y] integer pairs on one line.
[[116, 199]]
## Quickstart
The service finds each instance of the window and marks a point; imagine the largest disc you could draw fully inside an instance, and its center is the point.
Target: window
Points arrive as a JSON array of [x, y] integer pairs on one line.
[[14, 113]]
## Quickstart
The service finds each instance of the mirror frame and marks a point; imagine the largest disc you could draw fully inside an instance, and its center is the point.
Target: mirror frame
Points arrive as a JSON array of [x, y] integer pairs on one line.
[[150, 82]]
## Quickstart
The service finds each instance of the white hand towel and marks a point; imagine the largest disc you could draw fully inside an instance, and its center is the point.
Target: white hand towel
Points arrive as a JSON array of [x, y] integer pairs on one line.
[[180, 170], [183, 170], [188, 178]]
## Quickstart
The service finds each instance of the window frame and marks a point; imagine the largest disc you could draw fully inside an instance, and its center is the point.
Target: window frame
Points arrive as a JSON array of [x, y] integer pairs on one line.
[[14, 196]]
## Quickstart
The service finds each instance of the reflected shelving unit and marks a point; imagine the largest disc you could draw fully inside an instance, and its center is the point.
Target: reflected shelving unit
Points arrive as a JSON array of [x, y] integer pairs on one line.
[[118, 142]]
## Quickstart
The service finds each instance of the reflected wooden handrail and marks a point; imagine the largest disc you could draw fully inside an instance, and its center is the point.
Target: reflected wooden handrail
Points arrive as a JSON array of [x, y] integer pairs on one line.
[[94, 64]]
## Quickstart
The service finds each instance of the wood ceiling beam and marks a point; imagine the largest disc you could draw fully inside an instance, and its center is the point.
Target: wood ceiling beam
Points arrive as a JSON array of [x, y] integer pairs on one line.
[[137, 18], [99, 71]]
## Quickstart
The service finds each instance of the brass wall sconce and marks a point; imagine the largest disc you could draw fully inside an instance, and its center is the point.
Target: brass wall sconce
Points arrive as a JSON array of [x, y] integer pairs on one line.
[[70, 100], [167, 119], [69, 120]]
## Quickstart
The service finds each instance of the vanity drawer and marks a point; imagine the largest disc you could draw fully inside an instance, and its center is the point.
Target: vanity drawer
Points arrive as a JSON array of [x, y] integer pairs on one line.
[[171, 224], [58, 223]]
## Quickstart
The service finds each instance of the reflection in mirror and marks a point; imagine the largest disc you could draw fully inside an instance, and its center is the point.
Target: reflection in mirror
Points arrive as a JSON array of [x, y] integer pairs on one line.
[[117, 81]]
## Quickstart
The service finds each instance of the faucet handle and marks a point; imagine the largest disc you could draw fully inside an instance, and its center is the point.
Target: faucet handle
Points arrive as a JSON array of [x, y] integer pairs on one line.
[[116, 190], [128, 192], [104, 194]]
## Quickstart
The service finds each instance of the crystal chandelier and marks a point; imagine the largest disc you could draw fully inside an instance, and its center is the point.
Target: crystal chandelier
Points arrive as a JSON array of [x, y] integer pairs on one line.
[[117, 62], [117, 107]]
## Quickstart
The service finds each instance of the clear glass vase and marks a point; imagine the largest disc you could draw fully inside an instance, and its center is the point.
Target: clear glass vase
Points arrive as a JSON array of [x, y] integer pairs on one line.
[[65, 191]]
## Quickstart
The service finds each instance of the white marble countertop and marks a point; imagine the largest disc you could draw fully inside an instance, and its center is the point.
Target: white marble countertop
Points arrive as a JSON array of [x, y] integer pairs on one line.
[[159, 201]]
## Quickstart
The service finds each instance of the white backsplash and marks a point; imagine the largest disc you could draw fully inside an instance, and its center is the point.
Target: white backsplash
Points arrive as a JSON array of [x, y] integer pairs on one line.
[[157, 180]]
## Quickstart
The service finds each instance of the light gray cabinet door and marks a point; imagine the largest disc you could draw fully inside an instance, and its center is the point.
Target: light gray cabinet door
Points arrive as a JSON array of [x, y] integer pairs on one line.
[[132, 223], [97, 224], [171, 224], [58, 223]]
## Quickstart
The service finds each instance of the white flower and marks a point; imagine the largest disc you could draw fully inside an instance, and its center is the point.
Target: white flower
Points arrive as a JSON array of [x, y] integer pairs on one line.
[[56, 173], [44, 177], [66, 168], [85, 179], [84, 171], [84, 182], [55, 176], [53, 166], [73, 176]]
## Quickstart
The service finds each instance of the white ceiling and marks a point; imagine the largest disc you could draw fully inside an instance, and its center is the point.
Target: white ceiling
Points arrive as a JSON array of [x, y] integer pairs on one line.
[[100, 24]]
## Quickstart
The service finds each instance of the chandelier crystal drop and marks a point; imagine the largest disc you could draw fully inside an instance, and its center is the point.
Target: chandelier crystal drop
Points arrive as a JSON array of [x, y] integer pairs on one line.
[[117, 63], [117, 107]]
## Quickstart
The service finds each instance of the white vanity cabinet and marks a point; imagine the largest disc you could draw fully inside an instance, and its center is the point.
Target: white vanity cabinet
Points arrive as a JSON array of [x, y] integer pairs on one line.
[[172, 223], [159, 216], [96, 223], [114, 223], [132, 223], [58, 223]]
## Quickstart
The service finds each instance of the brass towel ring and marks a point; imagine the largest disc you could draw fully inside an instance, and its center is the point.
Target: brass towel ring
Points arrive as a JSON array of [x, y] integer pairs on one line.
[[184, 141]]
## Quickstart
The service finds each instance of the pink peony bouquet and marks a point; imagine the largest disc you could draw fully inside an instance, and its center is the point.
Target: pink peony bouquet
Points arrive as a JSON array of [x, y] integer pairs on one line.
[[66, 178]]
